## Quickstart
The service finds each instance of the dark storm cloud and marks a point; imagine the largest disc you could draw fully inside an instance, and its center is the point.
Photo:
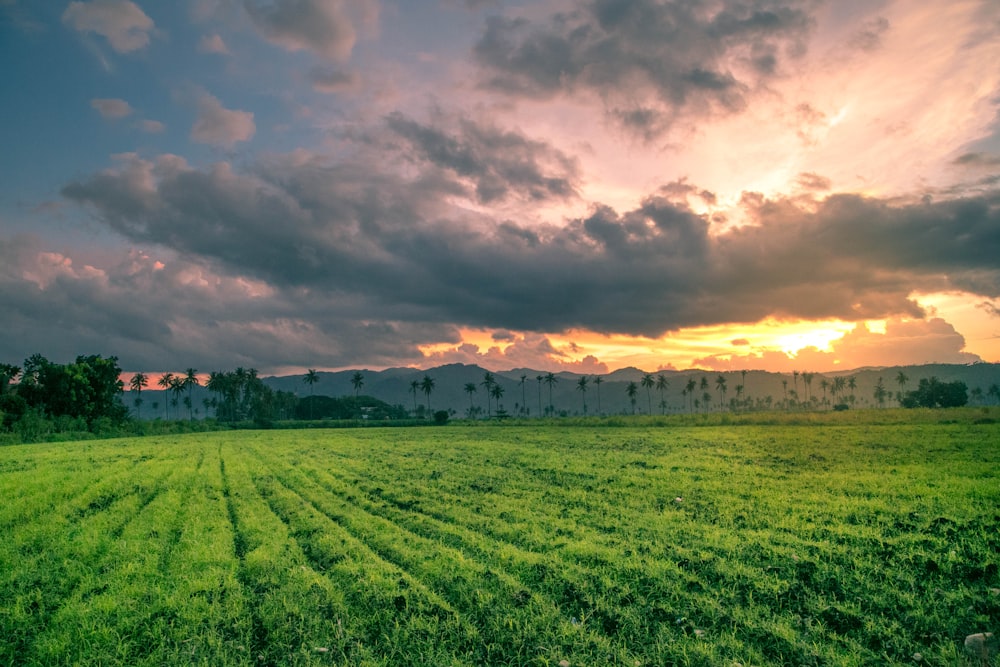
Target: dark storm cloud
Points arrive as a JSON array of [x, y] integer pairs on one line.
[[500, 163], [379, 247], [649, 60], [158, 315]]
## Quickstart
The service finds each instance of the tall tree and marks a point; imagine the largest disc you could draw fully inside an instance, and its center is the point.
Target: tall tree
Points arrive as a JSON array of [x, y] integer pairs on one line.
[[581, 386], [690, 387], [597, 385], [720, 384], [524, 400], [470, 389], [176, 388], [496, 391], [632, 390], [901, 380], [165, 381], [427, 386], [190, 382], [138, 382], [662, 384], [488, 382], [414, 388], [358, 380], [551, 379], [648, 381], [807, 377], [311, 378], [539, 378]]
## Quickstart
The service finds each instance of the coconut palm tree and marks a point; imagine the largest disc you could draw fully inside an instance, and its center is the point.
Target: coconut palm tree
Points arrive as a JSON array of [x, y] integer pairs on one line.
[[662, 384], [470, 389], [358, 380], [597, 385], [524, 401], [808, 379], [190, 382], [690, 387], [311, 378], [551, 379], [138, 382], [720, 385], [414, 388], [648, 381], [539, 378], [581, 386], [631, 390], [165, 381], [901, 380], [427, 386], [489, 380], [496, 391]]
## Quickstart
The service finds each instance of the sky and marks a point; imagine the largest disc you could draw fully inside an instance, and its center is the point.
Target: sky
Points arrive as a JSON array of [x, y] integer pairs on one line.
[[562, 185]]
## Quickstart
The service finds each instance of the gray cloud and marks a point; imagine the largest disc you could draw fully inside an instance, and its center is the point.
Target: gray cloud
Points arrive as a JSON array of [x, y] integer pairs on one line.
[[650, 61], [500, 163], [221, 126], [121, 22], [325, 27], [111, 108], [333, 80], [388, 247], [161, 315]]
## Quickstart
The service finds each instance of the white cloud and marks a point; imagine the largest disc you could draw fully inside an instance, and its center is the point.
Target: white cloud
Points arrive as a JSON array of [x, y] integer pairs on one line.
[[111, 108], [121, 22], [220, 126]]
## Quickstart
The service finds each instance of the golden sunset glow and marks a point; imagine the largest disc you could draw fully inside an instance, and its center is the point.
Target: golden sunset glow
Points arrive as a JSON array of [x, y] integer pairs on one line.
[[370, 184]]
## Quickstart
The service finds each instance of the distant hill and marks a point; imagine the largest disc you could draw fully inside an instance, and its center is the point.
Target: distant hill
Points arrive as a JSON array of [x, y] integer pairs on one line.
[[394, 387]]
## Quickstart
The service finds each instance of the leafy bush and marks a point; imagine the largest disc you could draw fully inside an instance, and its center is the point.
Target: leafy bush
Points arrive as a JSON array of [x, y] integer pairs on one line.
[[932, 393]]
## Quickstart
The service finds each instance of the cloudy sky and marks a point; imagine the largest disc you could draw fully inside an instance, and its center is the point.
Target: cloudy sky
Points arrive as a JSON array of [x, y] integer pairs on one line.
[[566, 185]]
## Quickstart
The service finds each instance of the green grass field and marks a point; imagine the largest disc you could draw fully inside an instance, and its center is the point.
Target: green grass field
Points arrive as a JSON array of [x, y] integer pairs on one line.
[[830, 543]]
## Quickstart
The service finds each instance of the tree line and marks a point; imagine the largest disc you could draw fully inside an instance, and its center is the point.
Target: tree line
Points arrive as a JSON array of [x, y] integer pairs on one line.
[[88, 395]]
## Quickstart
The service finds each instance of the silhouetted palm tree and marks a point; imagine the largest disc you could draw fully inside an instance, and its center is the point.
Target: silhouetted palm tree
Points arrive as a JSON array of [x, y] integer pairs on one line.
[[414, 388], [470, 389], [581, 386], [496, 391], [720, 384], [358, 380], [165, 381], [690, 387], [551, 379], [597, 385], [427, 386], [662, 384], [138, 382], [524, 401], [489, 380], [311, 378], [539, 378], [631, 390], [901, 380], [190, 382], [648, 381]]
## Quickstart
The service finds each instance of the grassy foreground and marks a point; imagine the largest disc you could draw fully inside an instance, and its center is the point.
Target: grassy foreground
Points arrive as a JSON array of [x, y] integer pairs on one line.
[[752, 544]]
